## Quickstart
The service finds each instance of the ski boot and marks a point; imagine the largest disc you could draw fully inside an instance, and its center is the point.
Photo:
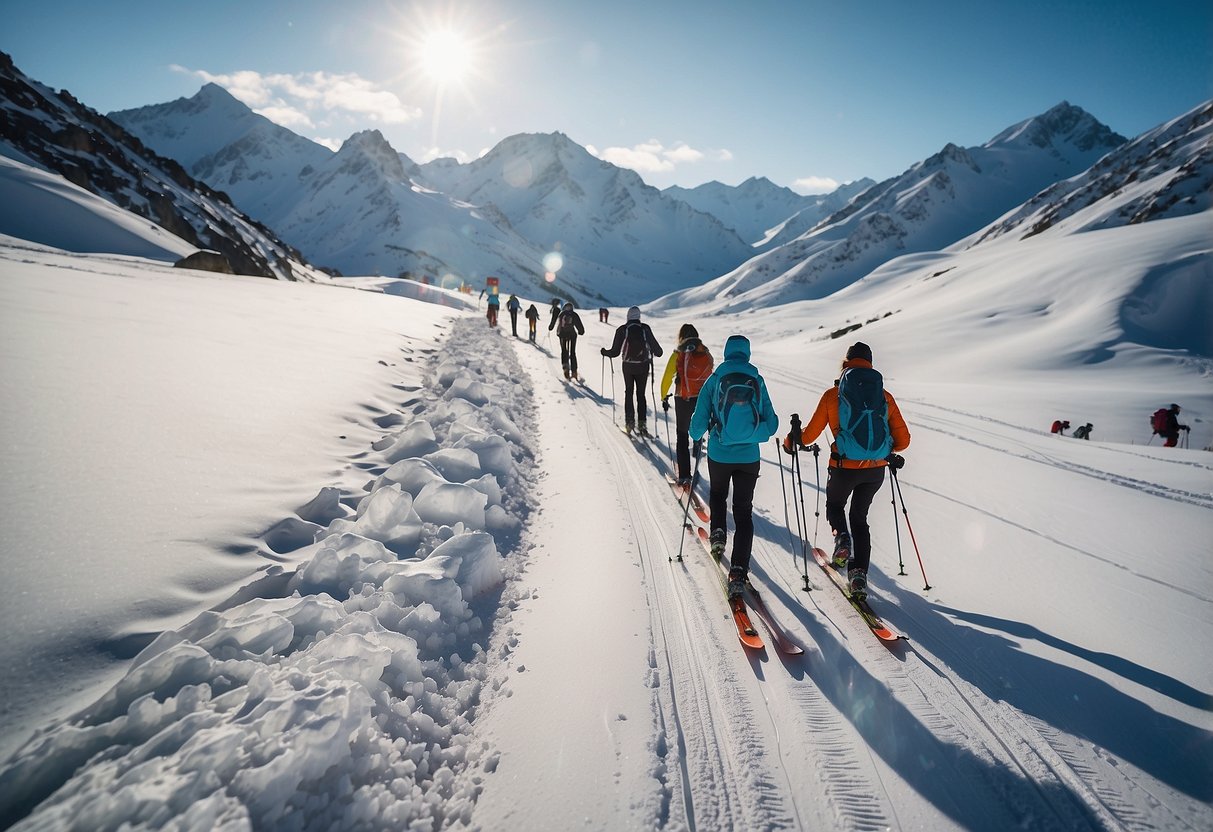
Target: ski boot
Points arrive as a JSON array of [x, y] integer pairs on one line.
[[717, 541], [643, 430], [737, 578], [858, 580], [842, 550]]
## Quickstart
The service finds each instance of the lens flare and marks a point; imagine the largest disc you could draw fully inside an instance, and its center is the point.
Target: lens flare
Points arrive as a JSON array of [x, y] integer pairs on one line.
[[553, 261], [550, 277]]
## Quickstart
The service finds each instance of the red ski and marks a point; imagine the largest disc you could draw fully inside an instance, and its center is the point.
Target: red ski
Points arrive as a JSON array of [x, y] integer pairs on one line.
[[680, 494], [741, 617], [874, 622]]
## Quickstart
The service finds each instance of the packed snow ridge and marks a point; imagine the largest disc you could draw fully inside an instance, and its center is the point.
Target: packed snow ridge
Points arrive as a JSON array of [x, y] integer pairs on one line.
[[339, 696]]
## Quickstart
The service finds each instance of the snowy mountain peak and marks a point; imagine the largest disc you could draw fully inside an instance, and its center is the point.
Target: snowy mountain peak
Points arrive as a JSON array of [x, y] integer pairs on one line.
[[1064, 124], [370, 146]]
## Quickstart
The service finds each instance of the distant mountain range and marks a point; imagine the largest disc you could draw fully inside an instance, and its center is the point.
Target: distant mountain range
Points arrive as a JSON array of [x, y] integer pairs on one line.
[[548, 218]]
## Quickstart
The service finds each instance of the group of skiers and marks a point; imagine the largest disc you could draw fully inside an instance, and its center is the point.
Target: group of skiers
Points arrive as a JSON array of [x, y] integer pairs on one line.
[[1164, 422], [729, 403], [1060, 426]]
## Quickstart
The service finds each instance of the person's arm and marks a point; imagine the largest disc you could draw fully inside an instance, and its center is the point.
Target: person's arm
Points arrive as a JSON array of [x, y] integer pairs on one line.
[[671, 369], [897, 425], [654, 347], [702, 416], [821, 416], [617, 346], [577, 323], [769, 418]]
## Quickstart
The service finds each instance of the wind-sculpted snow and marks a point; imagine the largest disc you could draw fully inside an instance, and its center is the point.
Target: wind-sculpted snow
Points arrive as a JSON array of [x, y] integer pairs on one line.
[[345, 699]]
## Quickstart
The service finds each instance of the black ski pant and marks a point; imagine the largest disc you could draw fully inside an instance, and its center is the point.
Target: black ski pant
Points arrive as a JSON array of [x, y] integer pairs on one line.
[[743, 477], [859, 485], [568, 353], [634, 378], [514, 321], [683, 409]]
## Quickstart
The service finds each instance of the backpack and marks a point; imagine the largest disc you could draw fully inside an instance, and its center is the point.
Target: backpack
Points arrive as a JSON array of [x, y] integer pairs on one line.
[[736, 410], [565, 325], [635, 344], [1159, 420], [694, 365], [863, 415]]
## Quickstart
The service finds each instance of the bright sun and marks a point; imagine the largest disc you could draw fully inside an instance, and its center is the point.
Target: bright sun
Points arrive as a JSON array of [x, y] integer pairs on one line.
[[446, 57]]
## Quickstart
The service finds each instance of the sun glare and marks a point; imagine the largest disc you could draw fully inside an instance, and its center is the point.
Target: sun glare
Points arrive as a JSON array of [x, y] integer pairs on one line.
[[446, 57]]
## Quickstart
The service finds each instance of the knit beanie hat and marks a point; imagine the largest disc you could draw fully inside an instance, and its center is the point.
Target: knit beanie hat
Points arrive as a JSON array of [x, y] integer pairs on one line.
[[633, 313], [860, 350]]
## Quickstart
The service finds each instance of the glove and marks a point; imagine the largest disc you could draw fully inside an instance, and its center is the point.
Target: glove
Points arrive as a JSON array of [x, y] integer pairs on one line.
[[697, 448], [603, 350], [1184, 427], [792, 443], [895, 461], [665, 403]]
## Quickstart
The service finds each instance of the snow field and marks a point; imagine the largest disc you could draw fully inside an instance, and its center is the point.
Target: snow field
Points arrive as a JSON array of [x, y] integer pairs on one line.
[[343, 700]]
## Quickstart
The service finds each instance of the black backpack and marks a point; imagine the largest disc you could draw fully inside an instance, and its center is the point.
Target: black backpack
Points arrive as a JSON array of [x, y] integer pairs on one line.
[[635, 344], [565, 324]]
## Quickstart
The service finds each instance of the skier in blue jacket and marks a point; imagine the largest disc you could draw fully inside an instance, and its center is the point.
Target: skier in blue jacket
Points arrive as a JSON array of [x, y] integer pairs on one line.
[[735, 410]]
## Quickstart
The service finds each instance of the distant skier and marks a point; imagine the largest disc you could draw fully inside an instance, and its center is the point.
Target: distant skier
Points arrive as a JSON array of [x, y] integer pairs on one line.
[[734, 409], [1083, 431], [532, 319], [861, 450], [1166, 424], [494, 308], [603, 315], [635, 342], [1060, 426], [514, 307], [689, 366], [568, 326]]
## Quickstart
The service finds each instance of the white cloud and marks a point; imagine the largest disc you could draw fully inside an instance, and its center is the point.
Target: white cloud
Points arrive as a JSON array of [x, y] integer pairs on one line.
[[815, 185], [303, 98], [654, 157]]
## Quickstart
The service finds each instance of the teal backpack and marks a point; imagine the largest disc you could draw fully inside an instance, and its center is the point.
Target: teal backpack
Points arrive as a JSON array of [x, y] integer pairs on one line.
[[863, 415], [738, 409]]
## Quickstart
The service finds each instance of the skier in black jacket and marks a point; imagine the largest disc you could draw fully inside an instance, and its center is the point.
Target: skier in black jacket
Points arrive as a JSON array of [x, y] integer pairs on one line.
[[636, 343]]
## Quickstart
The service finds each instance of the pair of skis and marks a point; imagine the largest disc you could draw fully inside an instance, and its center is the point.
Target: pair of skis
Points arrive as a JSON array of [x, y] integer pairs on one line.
[[869, 616], [746, 631]]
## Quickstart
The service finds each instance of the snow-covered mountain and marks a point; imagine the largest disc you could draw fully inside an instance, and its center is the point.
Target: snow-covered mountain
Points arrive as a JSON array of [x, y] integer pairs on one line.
[[53, 132], [764, 213], [1165, 172], [555, 193], [369, 209], [936, 202]]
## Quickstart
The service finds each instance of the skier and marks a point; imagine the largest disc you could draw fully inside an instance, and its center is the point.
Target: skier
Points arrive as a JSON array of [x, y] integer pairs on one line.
[[494, 308], [532, 319], [689, 366], [635, 341], [1083, 431], [856, 469], [568, 326], [1166, 424], [1060, 426], [733, 407], [514, 307], [603, 314]]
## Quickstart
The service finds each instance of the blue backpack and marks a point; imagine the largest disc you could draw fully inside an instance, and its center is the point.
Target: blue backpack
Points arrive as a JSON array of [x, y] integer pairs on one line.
[[737, 409], [863, 415]]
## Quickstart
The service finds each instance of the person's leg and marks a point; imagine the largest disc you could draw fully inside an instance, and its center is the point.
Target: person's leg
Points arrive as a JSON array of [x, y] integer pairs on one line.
[[838, 490], [744, 479], [683, 409], [564, 353], [573, 355], [642, 405], [718, 497], [629, 387], [867, 483]]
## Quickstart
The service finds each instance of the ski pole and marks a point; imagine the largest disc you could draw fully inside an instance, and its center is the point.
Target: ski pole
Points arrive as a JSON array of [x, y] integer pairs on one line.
[[901, 567], [613, 417], [686, 510], [653, 392], [787, 522], [897, 485]]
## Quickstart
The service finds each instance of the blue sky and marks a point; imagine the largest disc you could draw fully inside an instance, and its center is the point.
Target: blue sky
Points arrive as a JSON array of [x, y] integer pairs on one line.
[[804, 92]]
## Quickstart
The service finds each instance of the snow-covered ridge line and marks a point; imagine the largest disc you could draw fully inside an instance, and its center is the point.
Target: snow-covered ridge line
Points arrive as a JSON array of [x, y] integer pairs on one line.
[[339, 696]]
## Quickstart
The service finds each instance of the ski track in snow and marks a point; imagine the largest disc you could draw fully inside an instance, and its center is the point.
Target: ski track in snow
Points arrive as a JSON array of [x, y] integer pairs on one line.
[[725, 719]]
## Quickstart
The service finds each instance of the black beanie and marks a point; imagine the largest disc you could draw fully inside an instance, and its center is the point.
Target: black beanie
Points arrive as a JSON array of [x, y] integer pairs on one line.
[[860, 350]]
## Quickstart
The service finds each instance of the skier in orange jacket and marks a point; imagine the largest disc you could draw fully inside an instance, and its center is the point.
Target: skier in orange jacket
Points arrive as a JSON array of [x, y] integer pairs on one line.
[[856, 480]]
